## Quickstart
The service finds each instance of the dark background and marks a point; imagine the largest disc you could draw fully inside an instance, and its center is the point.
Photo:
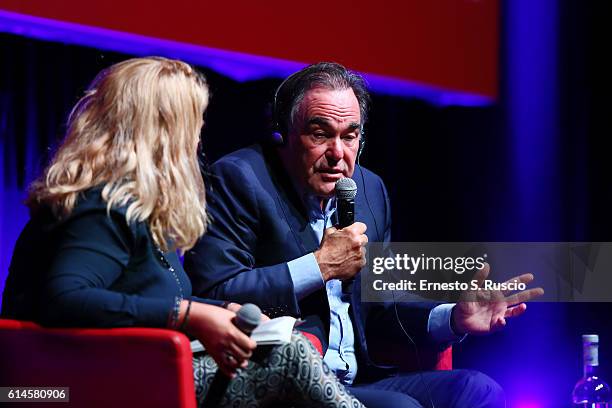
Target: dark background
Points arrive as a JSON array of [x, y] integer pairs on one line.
[[535, 166]]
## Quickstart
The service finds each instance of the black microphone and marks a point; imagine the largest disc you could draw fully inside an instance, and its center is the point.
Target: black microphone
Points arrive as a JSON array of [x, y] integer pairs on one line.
[[247, 319], [346, 190]]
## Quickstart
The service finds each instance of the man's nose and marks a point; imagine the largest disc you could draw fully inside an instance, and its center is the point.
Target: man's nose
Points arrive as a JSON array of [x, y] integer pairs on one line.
[[335, 150]]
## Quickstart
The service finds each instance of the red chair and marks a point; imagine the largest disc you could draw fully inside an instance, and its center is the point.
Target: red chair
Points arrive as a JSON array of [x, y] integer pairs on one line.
[[401, 353], [103, 367]]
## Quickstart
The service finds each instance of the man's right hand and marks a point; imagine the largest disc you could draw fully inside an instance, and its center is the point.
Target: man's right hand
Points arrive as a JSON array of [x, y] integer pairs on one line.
[[342, 252]]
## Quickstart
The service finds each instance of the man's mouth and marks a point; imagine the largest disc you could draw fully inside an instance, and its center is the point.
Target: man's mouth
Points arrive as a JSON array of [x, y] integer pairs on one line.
[[331, 174], [330, 171]]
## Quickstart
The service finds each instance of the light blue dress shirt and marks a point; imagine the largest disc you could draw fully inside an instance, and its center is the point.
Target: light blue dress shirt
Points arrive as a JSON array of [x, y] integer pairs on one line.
[[307, 278]]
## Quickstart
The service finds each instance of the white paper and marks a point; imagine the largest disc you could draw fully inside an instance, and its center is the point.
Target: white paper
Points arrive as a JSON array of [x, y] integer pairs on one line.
[[275, 331], [272, 332]]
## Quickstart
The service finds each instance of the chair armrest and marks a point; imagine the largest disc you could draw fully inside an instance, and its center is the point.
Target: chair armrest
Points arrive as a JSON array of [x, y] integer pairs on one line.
[[445, 360], [315, 341], [102, 367]]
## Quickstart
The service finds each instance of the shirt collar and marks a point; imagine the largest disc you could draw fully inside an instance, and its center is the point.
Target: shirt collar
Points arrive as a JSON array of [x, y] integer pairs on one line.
[[313, 204]]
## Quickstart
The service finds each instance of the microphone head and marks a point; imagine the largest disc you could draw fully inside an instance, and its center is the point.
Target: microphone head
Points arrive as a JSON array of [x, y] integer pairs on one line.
[[248, 317], [346, 189]]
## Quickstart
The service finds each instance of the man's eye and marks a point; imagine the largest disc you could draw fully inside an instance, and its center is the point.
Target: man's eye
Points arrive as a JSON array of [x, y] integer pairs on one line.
[[319, 135]]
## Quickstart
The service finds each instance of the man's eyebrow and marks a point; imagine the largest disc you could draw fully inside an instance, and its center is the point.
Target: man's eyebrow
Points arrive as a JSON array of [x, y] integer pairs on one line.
[[353, 126], [318, 120]]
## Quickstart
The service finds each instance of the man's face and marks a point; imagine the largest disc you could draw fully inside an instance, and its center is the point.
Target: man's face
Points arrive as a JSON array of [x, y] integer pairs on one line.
[[324, 140]]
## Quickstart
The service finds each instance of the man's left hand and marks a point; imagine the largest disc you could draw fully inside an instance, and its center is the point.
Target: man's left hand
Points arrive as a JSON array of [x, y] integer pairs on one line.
[[484, 311]]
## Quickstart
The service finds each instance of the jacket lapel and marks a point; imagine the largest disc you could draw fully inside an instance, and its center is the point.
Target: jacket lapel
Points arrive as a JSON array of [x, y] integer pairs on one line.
[[291, 205]]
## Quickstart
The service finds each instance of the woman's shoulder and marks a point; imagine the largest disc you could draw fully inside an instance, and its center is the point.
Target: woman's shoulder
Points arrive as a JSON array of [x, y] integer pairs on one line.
[[91, 206], [92, 200]]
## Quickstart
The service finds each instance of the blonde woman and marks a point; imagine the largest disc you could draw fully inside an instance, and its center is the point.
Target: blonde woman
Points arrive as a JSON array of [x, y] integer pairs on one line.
[[122, 194]]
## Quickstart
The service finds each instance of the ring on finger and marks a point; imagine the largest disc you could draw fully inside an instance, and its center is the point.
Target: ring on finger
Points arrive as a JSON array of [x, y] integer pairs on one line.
[[229, 358]]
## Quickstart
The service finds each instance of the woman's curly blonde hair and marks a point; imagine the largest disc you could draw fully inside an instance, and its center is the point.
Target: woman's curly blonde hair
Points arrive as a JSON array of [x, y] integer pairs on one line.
[[136, 132]]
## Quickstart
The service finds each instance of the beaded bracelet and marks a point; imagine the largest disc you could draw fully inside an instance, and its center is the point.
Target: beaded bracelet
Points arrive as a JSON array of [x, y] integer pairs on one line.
[[176, 309]]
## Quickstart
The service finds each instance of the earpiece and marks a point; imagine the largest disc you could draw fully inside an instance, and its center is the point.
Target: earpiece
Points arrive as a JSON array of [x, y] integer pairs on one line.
[[277, 138], [277, 130], [361, 144]]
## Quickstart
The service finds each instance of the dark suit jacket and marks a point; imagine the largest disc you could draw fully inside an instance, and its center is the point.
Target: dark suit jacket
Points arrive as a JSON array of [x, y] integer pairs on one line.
[[258, 224]]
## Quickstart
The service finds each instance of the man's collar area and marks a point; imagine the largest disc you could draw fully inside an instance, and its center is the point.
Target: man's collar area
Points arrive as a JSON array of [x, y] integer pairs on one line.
[[313, 206]]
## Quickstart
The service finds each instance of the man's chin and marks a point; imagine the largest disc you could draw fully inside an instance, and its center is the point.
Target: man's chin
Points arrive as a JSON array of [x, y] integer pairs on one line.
[[324, 190]]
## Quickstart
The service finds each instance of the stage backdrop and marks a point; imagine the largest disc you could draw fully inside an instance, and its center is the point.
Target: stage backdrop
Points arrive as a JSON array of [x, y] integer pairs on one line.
[[406, 44], [534, 166]]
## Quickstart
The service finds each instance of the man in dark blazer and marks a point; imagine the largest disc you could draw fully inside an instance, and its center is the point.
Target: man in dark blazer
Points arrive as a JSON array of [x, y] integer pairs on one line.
[[271, 241]]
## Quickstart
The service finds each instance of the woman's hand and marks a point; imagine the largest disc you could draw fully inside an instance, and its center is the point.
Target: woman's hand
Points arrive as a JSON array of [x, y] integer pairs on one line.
[[213, 326], [234, 307]]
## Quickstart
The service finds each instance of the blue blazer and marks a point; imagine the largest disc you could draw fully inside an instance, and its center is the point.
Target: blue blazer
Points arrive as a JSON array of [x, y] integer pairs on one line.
[[258, 224]]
